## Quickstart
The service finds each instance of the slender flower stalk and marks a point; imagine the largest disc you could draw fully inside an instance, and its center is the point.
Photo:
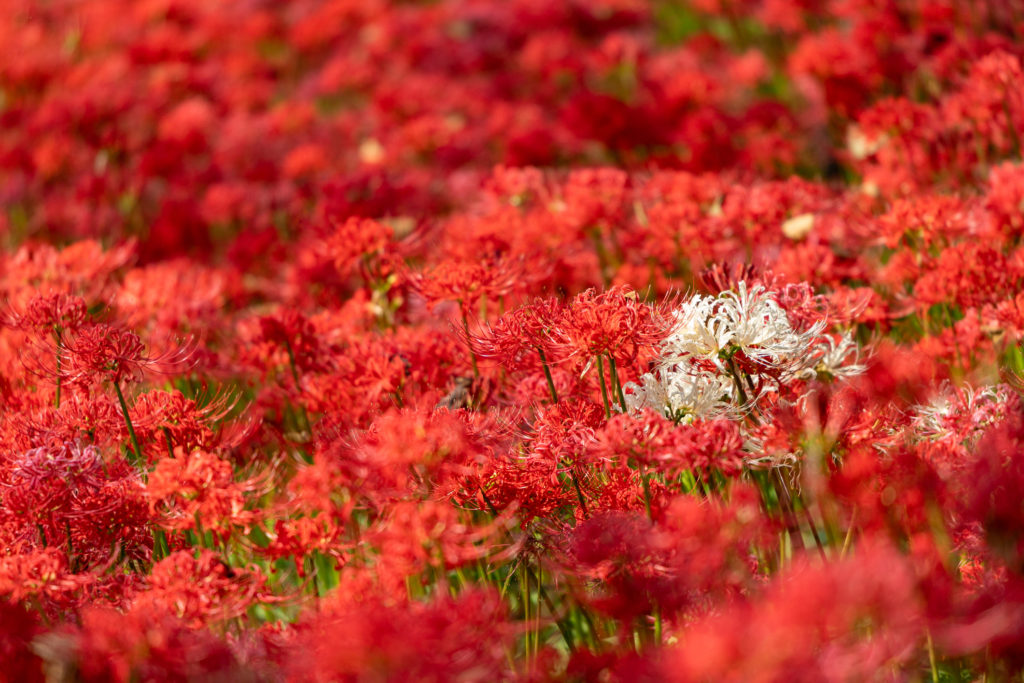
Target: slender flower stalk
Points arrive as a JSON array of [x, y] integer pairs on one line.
[[56, 397], [547, 375], [604, 390], [128, 422], [617, 386]]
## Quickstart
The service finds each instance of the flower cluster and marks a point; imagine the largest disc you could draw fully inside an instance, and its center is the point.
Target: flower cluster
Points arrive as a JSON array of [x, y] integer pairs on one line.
[[725, 353], [597, 340]]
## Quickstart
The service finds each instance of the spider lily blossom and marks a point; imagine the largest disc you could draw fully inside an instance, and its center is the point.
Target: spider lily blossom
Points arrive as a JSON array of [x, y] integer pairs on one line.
[[725, 352]]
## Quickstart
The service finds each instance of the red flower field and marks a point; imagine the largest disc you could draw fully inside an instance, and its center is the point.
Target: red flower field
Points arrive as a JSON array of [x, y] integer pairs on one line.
[[486, 340]]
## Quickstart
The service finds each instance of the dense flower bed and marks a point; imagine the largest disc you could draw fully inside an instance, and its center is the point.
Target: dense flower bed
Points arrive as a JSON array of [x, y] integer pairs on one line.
[[486, 340]]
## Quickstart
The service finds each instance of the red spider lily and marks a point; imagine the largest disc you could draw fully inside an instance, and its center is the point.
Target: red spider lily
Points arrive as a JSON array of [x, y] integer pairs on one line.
[[170, 417], [84, 269], [469, 284], [200, 589], [565, 431], [616, 323], [51, 313], [68, 495], [109, 645], [530, 486], [828, 607], [1004, 196], [40, 573], [969, 275], [653, 441], [595, 199], [308, 190], [102, 352], [461, 637], [20, 627], [198, 490], [520, 335], [293, 334], [79, 419], [357, 238], [867, 482], [416, 536], [924, 221], [149, 297], [991, 488], [316, 514], [409, 452], [73, 466], [695, 555]]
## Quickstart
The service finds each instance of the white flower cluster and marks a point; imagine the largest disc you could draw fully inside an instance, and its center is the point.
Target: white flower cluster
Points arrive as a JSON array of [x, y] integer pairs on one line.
[[697, 375], [961, 415]]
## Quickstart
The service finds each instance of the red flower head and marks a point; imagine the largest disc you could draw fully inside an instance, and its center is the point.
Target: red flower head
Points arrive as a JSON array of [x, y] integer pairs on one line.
[[520, 337], [614, 323], [51, 313], [200, 588], [468, 283], [105, 353], [357, 238]]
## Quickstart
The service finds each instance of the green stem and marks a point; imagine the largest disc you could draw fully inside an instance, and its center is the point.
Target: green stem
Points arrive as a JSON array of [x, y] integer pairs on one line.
[[788, 513], [472, 354], [616, 385], [524, 590], [302, 409], [931, 656], [734, 373], [647, 491], [579, 491], [547, 375], [814, 531], [160, 547], [566, 634], [591, 629], [604, 391], [128, 421], [291, 362], [170, 445], [71, 546], [310, 567], [540, 591], [56, 400]]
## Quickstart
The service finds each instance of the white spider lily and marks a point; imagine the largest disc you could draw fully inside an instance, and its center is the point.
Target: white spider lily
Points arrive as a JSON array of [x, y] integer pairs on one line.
[[835, 358], [697, 378], [748, 320], [683, 394]]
